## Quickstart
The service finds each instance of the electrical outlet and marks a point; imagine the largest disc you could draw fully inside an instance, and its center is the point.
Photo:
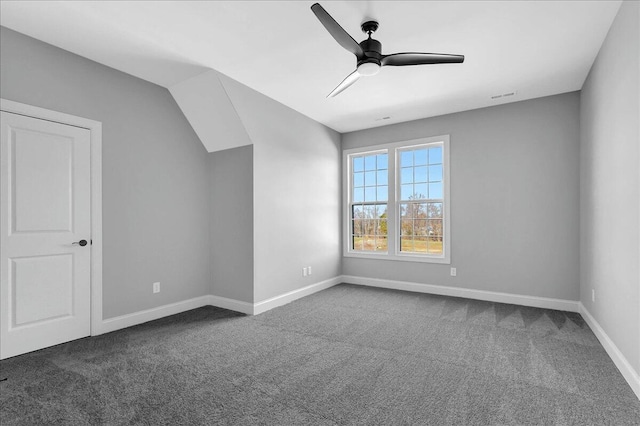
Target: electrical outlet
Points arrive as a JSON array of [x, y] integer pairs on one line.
[[304, 272], [156, 287], [453, 272], [309, 269], [593, 295]]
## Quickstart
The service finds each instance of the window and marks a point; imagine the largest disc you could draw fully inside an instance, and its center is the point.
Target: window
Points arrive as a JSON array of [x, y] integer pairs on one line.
[[421, 198], [370, 189], [397, 199]]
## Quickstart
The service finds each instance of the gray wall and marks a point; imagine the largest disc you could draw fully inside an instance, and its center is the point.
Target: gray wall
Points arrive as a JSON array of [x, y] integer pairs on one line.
[[296, 194], [514, 198], [155, 171], [232, 223], [609, 190]]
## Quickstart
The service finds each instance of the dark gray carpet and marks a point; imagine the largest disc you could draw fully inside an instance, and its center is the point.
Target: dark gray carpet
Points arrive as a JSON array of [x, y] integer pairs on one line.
[[348, 355]]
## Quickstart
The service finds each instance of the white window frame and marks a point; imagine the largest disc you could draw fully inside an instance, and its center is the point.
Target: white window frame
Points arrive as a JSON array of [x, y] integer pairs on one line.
[[393, 204]]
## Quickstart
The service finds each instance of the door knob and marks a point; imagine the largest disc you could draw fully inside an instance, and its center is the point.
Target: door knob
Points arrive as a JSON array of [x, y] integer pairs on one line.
[[81, 243]]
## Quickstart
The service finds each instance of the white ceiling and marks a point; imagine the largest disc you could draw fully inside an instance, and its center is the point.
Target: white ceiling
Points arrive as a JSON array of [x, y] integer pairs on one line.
[[279, 48]]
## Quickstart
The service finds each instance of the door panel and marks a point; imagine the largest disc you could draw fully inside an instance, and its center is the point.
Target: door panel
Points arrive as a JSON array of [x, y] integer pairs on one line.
[[41, 288], [45, 208], [41, 165]]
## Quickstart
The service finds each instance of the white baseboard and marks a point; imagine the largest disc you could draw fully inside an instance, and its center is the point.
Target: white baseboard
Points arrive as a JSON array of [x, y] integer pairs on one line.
[[490, 296], [129, 320], [283, 299], [628, 372], [231, 304]]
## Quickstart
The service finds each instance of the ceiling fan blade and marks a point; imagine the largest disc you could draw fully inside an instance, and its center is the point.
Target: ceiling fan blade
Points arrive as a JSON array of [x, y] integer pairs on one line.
[[351, 78], [337, 32], [414, 58]]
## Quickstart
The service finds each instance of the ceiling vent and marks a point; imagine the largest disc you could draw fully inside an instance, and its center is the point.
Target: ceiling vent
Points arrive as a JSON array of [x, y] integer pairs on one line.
[[504, 95]]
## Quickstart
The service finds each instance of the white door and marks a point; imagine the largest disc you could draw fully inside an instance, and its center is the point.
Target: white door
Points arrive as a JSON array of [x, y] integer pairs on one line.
[[45, 217]]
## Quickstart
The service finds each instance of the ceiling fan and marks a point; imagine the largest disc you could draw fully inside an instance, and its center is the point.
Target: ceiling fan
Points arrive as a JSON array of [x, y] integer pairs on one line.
[[368, 52]]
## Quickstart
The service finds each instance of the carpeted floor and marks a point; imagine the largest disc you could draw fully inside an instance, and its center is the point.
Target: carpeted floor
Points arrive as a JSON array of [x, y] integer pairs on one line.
[[349, 355]]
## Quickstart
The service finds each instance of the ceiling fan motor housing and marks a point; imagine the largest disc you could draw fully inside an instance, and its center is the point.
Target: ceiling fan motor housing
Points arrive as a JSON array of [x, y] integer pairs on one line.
[[372, 49]]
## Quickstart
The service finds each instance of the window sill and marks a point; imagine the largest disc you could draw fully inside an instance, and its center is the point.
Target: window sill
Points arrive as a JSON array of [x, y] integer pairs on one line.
[[398, 258]]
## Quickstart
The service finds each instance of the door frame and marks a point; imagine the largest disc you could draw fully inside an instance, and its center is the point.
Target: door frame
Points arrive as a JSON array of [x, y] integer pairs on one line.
[[95, 129]]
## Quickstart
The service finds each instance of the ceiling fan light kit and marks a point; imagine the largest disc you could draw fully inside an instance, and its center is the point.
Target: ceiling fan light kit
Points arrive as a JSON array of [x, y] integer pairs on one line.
[[368, 68], [369, 57]]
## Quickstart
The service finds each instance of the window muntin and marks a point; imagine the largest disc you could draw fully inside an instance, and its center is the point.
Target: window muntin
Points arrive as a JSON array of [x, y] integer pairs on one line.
[[397, 201]]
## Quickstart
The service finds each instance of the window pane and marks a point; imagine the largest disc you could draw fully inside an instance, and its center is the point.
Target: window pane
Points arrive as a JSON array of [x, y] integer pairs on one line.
[[358, 195], [406, 158], [406, 210], [383, 161], [434, 245], [369, 243], [435, 210], [420, 227], [358, 179], [435, 155], [419, 244], [406, 244], [358, 164], [435, 190], [356, 212], [383, 177], [420, 174], [406, 175], [421, 211], [420, 191], [406, 192], [381, 210], [382, 227], [435, 173], [370, 193], [403, 210], [406, 227], [370, 178], [416, 210], [369, 212], [377, 230], [382, 193], [370, 162], [368, 226], [420, 157], [381, 244], [434, 227]]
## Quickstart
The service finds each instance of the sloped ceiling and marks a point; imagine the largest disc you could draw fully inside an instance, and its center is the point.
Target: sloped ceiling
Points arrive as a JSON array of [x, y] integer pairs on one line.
[[278, 48], [206, 104]]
